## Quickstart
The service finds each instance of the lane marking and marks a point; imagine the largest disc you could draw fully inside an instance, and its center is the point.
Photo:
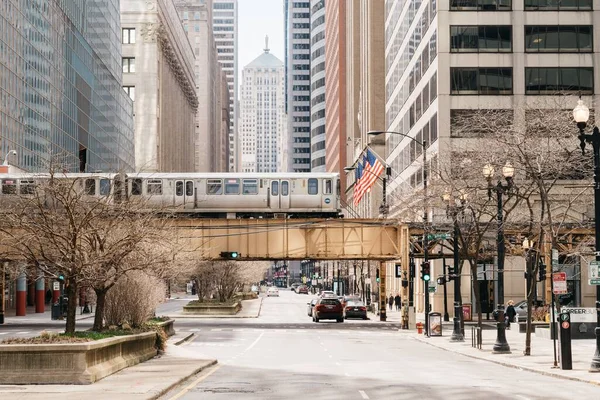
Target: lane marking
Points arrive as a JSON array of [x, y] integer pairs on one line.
[[254, 343], [522, 397], [363, 394], [196, 382]]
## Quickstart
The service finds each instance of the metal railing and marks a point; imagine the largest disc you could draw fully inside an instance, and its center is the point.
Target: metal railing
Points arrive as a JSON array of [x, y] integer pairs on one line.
[[476, 337]]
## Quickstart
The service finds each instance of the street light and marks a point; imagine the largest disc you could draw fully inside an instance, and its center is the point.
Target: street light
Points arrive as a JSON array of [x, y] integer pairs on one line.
[[508, 171], [10, 153], [453, 209], [581, 114], [423, 144]]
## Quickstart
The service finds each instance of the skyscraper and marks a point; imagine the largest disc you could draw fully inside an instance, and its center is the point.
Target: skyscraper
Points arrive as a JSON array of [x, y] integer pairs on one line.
[[317, 85], [60, 86], [225, 29], [297, 67], [263, 122]]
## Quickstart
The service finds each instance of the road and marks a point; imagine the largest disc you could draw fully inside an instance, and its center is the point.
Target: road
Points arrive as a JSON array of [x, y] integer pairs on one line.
[[283, 354]]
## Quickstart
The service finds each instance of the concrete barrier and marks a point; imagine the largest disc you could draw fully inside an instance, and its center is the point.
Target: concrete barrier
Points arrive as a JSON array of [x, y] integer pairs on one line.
[[212, 309], [167, 326], [73, 363]]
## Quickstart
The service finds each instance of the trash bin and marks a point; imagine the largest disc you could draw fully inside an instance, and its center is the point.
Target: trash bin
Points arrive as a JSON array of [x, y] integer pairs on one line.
[[56, 314], [435, 324]]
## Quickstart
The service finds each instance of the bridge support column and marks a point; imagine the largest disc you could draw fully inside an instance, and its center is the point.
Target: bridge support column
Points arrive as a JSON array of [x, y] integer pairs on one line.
[[21, 295], [40, 294], [382, 292]]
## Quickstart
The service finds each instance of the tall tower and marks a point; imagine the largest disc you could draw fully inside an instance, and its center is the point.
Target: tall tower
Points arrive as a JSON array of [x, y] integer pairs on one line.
[[317, 85], [263, 122], [297, 69], [225, 29]]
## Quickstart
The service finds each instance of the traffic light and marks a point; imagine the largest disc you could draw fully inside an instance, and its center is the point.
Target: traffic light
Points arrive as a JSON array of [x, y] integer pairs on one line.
[[426, 271], [377, 275], [61, 277], [398, 270], [542, 273], [230, 255], [451, 274]]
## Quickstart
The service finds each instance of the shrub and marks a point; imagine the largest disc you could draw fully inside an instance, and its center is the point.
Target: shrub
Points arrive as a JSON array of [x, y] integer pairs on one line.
[[133, 299]]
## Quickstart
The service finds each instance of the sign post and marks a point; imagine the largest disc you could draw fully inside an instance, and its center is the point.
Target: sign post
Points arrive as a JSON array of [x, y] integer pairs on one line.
[[554, 256]]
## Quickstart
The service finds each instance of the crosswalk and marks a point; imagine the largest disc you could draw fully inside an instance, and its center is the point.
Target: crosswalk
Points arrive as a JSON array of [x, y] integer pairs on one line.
[[287, 331]]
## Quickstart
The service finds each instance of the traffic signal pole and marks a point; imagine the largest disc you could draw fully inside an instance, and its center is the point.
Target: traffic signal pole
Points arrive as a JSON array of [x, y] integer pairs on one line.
[[382, 292]]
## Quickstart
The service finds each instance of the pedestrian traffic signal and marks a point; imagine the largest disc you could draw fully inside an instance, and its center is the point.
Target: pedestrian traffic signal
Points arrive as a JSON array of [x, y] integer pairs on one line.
[[426, 271], [377, 275], [542, 273], [398, 270], [230, 255], [451, 274], [441, 280]]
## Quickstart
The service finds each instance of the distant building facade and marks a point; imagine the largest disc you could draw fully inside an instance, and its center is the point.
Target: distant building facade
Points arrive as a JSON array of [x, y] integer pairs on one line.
[[297, 69], [60, 87], [263, 121], [317, 85], [158, 64], [225, 29]]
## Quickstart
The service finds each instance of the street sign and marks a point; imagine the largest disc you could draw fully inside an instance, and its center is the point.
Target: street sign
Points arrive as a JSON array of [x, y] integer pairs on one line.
[[559, 282], [432, 289], [594, 275], [56, 286], [436, 236]]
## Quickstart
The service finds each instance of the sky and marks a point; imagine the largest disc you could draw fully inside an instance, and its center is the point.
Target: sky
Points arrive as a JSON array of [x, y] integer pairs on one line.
[[258, 18]]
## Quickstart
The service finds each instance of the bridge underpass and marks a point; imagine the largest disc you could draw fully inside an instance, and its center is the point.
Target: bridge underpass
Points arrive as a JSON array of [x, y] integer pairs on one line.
[[301, 239]]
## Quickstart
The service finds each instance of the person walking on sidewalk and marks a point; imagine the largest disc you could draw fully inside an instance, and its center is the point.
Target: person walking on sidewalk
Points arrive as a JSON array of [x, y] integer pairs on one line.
[[510, 313], [391, 301], [397, 301]]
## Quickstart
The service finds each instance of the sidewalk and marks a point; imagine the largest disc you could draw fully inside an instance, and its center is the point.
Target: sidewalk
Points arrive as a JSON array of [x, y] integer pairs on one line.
[[392, 316], [33, 317], [250, 309], [540, 361]]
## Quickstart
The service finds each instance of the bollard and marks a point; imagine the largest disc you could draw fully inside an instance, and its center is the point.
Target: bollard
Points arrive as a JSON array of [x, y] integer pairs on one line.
[[566, 360]]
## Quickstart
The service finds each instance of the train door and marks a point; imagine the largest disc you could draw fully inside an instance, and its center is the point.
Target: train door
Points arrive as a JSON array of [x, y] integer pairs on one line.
[[280, 195], [184, 193]]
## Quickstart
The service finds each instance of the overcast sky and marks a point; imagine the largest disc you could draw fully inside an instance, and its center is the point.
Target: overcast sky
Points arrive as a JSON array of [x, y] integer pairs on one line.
[[258, 18]]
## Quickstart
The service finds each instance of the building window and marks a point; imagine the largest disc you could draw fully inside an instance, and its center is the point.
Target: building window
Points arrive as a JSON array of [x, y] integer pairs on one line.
[[128, 35], [130, 90], [559, 80], [481, 81], [481, 5], [186, 15], [549, 5], [128, 65], [558, 38], [485, 38]]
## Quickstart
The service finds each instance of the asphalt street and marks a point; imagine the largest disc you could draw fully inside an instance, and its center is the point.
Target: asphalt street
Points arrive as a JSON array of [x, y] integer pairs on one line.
[[284, 355]]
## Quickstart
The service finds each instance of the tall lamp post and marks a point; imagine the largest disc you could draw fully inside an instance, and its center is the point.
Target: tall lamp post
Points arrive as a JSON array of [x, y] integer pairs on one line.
[[423, 144], [453, 209], [581, 114], [501, 346]]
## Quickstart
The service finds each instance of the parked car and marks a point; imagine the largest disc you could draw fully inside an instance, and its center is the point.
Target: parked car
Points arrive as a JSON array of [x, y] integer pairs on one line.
[[272, 291], [328, 308], [325, 293], [311, 305], [521, 309], [355, 309], [255, 289], [302, 289], [294, 286]]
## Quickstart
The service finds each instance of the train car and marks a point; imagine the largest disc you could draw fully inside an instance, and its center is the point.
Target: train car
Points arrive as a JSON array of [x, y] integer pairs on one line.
[[214, 195]]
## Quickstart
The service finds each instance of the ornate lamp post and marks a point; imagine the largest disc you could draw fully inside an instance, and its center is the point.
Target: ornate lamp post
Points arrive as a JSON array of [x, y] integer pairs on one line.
[[501, 345], [453, 209], [581, 114]]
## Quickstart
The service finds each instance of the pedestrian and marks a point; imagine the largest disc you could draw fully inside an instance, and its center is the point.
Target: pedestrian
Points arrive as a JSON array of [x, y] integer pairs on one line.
[[48, 296], [510, 313], [391, 301], [397, 301]]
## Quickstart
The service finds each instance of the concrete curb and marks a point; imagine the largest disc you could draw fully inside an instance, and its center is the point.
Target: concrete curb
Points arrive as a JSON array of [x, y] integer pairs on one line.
[[186, 377], [509, 365], [191, 316], [184, 339], [260, 307]]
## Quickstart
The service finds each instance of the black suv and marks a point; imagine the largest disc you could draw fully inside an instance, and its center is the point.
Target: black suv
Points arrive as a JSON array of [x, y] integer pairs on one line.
[[328, 308]]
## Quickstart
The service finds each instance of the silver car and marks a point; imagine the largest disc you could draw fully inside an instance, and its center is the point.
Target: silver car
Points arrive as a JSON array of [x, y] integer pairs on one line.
[[311, 306]]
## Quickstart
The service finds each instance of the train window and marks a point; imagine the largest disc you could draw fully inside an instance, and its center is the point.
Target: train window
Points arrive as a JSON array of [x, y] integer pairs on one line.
[[328, 189], [275, 188], [189, 188], [104, 187], [27, 187], [250, 186], [313, 186], [337, 184], [9, 186], [285, 190], [179, 188], [214, 186], [232, 186], [136, 187], [154, 187], [90, 187]]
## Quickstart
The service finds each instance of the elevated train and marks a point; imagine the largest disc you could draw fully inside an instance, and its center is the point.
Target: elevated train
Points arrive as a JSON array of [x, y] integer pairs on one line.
[[210, 195]]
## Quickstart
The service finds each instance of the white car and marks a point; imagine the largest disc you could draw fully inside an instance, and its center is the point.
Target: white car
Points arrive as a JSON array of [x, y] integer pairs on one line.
[[272, 291]]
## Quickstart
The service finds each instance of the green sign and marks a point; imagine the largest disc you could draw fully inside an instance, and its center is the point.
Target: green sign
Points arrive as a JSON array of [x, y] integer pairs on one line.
[[594, 273], [436, 236], [432, 289]]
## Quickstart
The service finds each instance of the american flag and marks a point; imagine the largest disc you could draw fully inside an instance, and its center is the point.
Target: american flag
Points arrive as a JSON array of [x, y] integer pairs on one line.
[[373, 168], [358, 176]]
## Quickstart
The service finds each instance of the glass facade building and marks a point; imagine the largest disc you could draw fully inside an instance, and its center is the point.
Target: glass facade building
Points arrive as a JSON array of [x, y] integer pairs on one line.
[[61, 85]]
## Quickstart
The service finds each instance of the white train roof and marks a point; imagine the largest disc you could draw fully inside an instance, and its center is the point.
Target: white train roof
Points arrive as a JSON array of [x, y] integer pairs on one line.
[[178, 175]]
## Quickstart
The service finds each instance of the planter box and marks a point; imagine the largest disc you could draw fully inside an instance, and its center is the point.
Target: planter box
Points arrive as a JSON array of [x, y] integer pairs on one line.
[[212, 309], [167, 326], [73, 363], [246, 296], [534, 325]]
